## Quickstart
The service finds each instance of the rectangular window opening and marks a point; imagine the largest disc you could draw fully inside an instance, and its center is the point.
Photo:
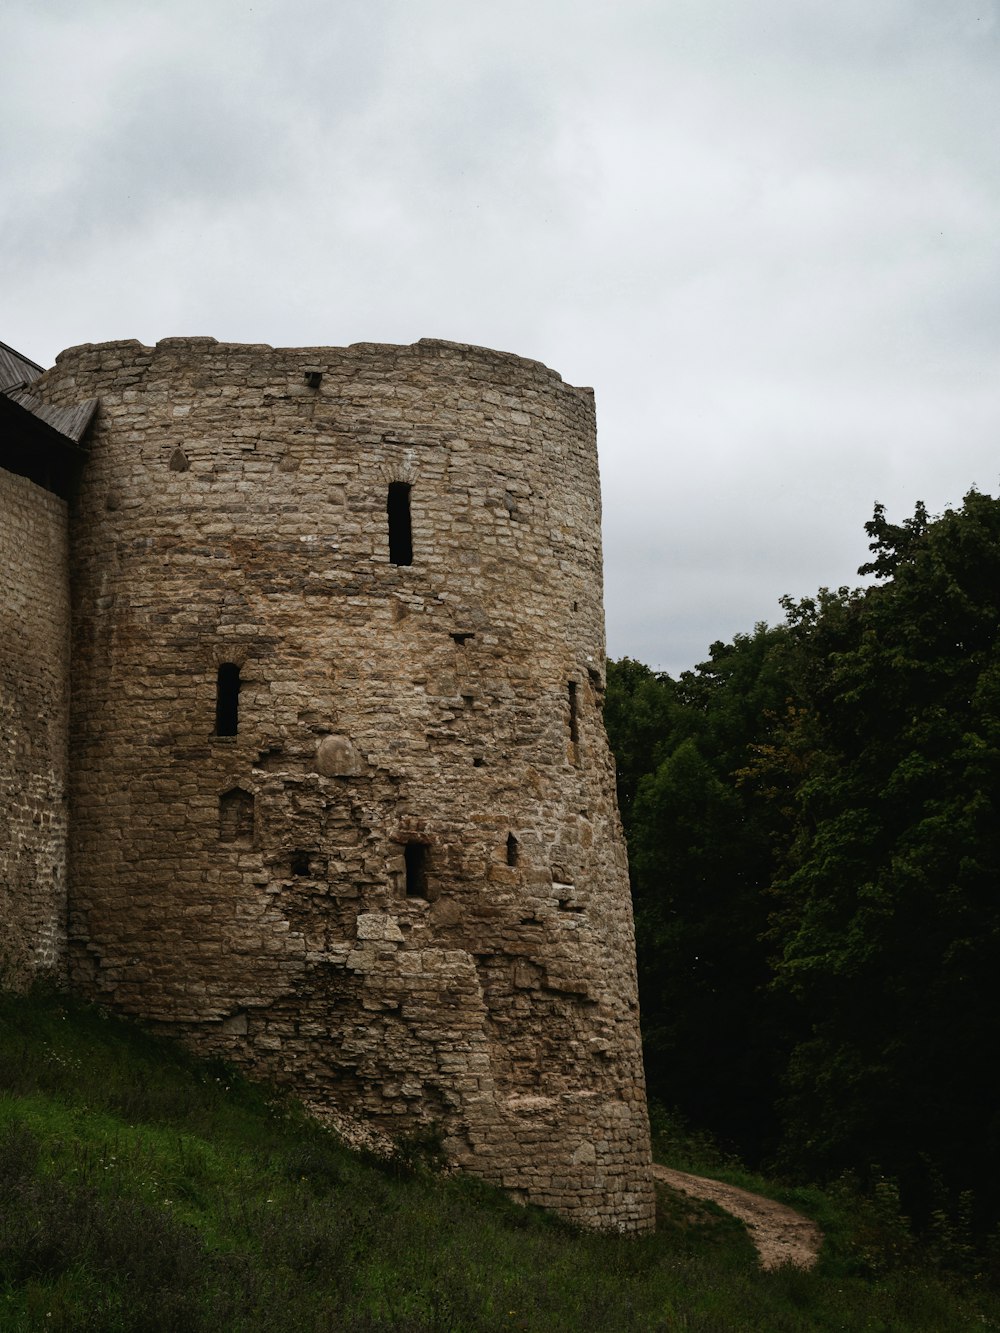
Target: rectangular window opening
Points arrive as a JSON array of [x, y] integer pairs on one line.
[[400, 528], [227, 700], [415, 857], [574, 716]]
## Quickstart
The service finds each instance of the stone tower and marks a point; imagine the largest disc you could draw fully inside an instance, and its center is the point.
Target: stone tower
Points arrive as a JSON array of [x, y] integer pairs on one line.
[[342, 805]]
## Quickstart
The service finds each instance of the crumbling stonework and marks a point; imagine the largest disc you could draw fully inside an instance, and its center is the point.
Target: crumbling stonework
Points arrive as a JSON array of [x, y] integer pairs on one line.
[[342, 803], [34, 724]]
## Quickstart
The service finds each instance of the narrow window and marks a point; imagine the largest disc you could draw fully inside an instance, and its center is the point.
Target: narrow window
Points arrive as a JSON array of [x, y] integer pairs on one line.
[[574, 718], [227, 700], [415, 856], [512, 850], [300, 863], [400, 531]]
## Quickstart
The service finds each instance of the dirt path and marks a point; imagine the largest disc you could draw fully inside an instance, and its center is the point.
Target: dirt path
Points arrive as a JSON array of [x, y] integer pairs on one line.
[[781, 1235]]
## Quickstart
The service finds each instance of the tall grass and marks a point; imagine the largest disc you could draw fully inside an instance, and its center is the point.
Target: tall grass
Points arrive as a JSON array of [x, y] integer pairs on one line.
[[143, 1190]]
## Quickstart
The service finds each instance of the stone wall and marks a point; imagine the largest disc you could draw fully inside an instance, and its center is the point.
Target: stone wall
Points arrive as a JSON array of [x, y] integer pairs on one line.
[[346, 818], [34, 709]]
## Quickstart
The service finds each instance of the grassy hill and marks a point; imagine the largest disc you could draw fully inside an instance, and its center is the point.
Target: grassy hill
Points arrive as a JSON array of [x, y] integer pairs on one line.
[[141, 1189]]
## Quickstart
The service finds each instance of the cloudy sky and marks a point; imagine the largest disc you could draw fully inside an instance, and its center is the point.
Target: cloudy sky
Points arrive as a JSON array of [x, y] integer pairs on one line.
[[766, 231]]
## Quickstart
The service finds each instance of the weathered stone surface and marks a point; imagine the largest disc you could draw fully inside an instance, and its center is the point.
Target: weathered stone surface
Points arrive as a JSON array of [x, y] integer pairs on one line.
[[388, 869], [34, 722], [336, 757]]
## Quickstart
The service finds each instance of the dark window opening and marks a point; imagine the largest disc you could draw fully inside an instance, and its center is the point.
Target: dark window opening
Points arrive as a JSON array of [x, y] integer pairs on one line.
[[400, 530], [512, 850], [478, 761], [227, 700], [462, 636], [300, 863], [415, 857], [574, 717], [236, 816]]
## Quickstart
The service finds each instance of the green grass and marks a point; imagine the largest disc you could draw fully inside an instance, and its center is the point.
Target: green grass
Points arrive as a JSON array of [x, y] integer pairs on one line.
[[143, 1190]]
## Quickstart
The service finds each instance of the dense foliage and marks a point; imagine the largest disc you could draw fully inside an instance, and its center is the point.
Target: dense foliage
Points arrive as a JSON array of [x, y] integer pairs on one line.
[[813, 827]]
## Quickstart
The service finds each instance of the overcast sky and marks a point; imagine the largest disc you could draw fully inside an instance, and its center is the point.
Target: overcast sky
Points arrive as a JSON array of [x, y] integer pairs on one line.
[[767, 232]]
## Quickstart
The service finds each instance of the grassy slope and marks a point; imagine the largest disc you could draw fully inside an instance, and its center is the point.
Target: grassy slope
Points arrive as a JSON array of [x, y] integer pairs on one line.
[[142, 1190]]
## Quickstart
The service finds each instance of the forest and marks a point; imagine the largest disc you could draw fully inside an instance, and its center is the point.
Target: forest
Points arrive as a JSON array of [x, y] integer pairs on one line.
[[813, 831]]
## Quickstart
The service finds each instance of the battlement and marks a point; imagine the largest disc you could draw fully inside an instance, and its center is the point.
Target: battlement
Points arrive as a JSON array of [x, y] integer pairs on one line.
[[427, 346]]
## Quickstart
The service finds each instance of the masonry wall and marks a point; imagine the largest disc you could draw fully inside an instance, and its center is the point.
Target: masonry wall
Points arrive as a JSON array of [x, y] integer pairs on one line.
[[34, 714], [401, 885]]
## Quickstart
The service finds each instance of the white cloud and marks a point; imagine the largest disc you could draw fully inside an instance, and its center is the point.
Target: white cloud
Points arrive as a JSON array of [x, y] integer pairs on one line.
[[767, 235]]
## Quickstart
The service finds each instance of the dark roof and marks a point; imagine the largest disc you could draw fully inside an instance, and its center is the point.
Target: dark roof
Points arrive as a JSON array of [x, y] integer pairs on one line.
[[68, 421], [37, 439], [15, 368]]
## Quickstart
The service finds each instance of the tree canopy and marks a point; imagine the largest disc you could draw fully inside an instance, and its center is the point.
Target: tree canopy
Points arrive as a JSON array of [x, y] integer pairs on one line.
[[815, 845]]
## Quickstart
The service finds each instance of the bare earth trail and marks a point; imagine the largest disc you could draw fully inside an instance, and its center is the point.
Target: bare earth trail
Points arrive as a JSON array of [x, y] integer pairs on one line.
[[781, 1235]]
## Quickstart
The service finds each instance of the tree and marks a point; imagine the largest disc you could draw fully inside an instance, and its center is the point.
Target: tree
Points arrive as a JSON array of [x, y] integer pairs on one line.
[[887, 924], [700, 846], [814, 833]]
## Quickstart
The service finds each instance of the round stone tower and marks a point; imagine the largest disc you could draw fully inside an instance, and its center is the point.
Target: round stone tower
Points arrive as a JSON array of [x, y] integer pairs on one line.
[[343, 808]]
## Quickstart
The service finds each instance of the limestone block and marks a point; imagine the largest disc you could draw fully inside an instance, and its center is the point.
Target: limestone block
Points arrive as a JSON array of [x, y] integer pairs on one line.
[[336, 757], [379, 926]]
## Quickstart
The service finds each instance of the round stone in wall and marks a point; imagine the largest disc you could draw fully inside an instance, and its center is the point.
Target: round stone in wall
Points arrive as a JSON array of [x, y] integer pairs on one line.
[[336, 757]]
